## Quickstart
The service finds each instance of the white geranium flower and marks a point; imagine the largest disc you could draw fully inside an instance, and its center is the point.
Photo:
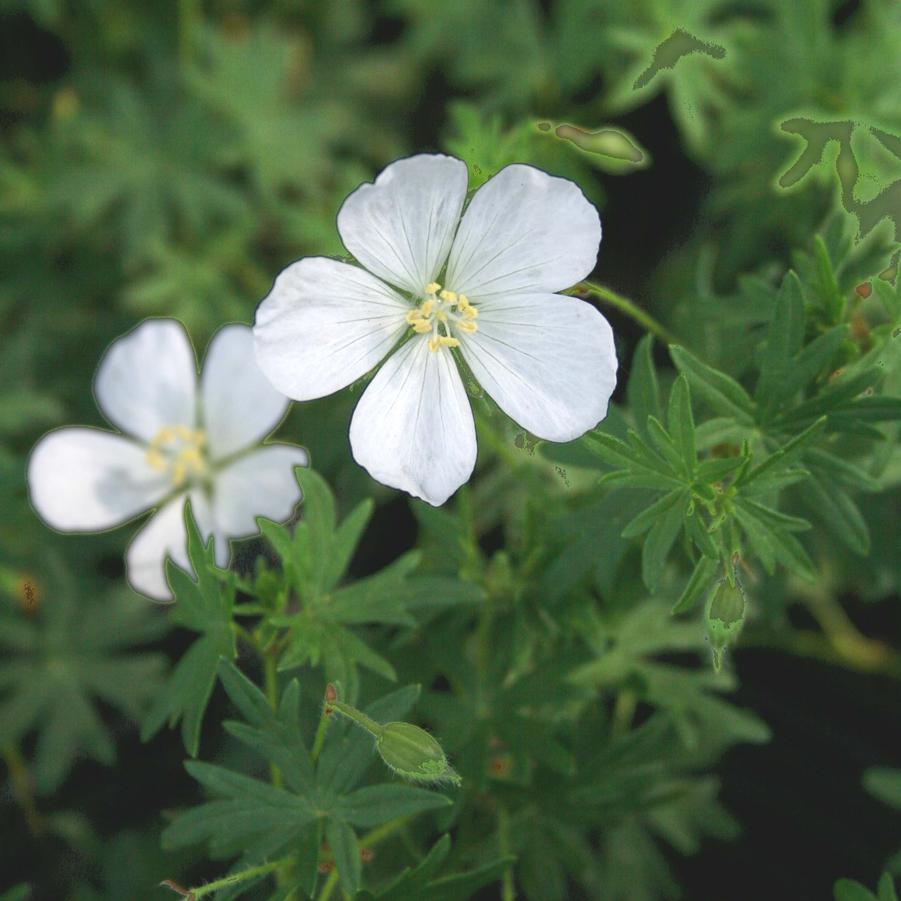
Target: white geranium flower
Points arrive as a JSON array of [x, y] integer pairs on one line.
[[483, 285], [181, 440]]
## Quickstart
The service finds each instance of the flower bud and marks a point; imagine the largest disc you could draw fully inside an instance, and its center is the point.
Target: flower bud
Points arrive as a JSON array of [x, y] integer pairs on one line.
[[724, 618], [413, 754]]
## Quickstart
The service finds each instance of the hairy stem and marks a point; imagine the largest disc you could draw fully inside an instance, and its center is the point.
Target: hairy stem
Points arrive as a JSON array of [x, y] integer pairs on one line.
[[632, 310], [236, 878]]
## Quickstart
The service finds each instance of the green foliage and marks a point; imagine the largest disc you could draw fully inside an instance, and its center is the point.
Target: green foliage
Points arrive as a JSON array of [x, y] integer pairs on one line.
[[257, 820], [64, 652], [170, 161], [204, 606]]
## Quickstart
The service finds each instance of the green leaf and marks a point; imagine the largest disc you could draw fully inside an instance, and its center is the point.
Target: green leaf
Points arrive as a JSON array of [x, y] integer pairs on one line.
[[838, 513], [784, 339], [699, 582], [642, 390], [660, 541], [884, 783], [274, 734], [681, 424], [724, 395], [204, 606], [343, 842], [376, 804], [649, 516], [848, 890], [779, 462]]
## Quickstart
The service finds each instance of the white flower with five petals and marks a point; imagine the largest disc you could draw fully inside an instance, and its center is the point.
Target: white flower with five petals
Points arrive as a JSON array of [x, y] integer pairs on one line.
[[484, 284], [181, 440]]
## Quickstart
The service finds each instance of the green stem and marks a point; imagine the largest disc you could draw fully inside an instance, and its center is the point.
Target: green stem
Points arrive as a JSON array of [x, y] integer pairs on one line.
[[21, 786], [360, 718], [329, 885], [270, 678], [624, 305], [237, 878]]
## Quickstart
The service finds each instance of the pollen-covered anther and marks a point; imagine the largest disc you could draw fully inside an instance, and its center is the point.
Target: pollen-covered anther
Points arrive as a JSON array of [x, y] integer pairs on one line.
[[467, 325], [178, 450], [436, 342]]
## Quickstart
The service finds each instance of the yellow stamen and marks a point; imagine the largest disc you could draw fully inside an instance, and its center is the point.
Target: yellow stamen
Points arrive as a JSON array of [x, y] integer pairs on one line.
[[432, 288], [434, 343], [427, 307], [466, 325], [414, 316], [421, 326], [156, 459], [449, 296]]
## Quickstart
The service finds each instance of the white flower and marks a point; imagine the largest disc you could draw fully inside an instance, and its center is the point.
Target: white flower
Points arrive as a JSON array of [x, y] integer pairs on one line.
[[182, 440], [547, 360]]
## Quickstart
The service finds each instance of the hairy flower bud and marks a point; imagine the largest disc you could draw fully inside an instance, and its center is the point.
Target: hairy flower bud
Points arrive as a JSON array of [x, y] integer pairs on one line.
[[414, 754], [724, 618]]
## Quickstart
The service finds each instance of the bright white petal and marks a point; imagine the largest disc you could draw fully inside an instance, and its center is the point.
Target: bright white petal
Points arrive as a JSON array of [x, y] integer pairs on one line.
[[524, 231], [324, 325], [548, 361], [148, 379], [401, 227], [165, 535], [259, 484], [413, 427], [240, 406], [84, 480]]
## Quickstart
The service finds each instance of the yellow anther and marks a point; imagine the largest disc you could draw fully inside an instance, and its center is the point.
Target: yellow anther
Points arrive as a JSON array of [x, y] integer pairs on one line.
[[449, 296], [467, 325], [439, 341], [183, 432], [155, 459], [165, 435], [427, 307], [421, 326], [413, 316], [179, 472], [432, 288], [462, 301], [471, 312], [441, 316]]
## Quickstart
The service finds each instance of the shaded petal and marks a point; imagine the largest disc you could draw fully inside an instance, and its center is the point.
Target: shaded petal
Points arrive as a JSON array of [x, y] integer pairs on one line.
[[413, 427], [240, 406], [548, 361], [83, 480], [324, 325], [401, 227], [148, 379], [262, 483], [165, 535], [524, 231]]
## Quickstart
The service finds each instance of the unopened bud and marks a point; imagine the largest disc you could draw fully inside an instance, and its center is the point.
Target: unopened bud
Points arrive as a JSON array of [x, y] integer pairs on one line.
[[724, 618], [414, 754]]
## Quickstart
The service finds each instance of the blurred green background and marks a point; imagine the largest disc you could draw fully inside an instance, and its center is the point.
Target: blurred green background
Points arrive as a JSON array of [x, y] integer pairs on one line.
[[169, 159]]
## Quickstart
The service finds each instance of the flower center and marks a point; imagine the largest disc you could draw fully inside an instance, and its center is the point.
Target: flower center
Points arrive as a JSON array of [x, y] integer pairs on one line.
[[441, 314], [178, 451]]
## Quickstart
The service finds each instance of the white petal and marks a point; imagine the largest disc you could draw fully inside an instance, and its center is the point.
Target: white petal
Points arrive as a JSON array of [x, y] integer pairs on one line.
[[262, 483], [240, 406], [84, 480], [413, 427], [401, 227], [324, 325], [524, 231], [548, 361], [165, 535], [148, 379]]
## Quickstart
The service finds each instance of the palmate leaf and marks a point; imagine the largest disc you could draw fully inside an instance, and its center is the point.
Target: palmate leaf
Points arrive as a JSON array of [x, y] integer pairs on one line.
[[58, 662], [203, 605], [257, 820]]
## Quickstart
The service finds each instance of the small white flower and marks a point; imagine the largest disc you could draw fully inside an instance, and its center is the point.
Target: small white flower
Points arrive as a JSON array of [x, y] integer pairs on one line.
[[182, 440], [483, 284]]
